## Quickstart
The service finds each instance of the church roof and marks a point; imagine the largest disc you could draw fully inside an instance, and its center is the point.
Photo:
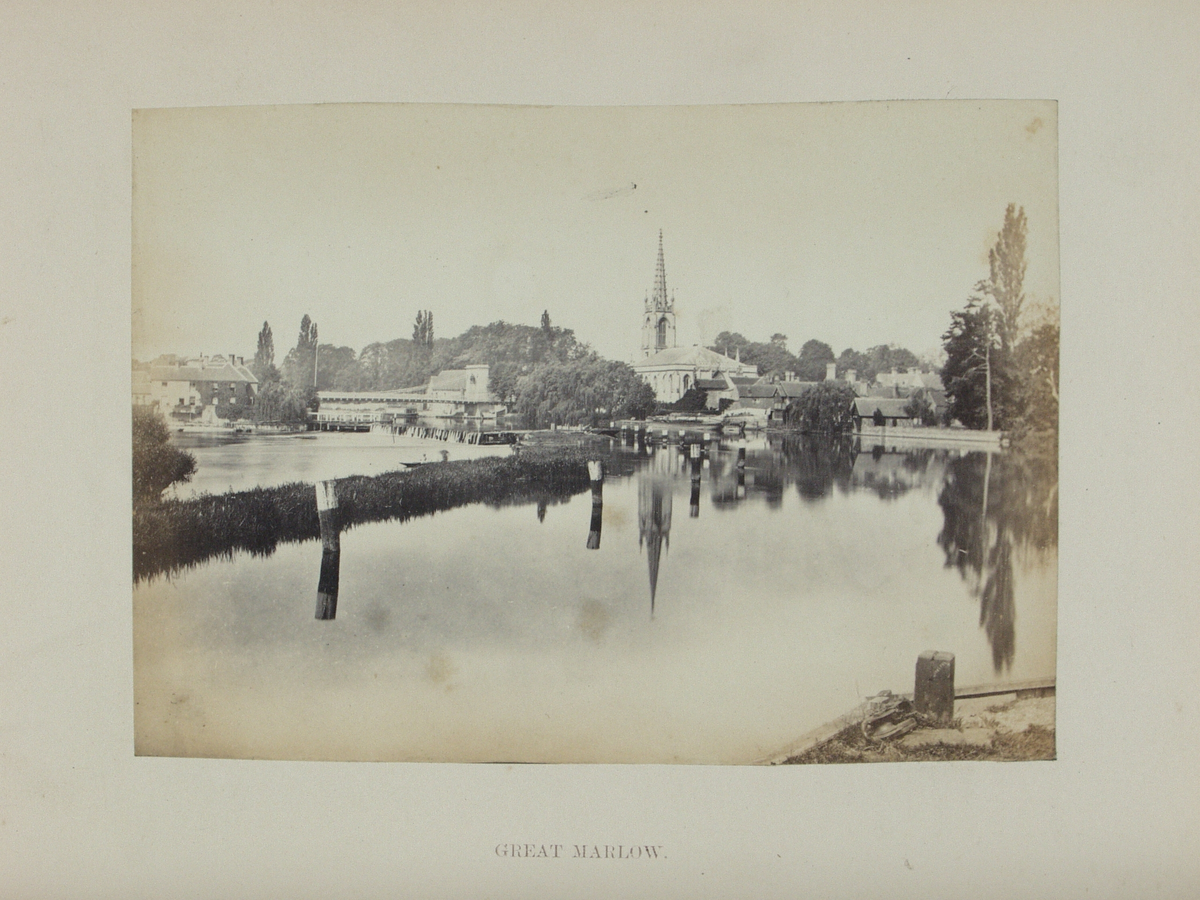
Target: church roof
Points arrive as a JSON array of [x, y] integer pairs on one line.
[[694, 357]]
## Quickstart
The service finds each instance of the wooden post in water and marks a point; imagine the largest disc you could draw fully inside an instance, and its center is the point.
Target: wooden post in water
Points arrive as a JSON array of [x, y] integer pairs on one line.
[[331, 550], [741, 459], [933, 694], [596, 476], [327, 512]]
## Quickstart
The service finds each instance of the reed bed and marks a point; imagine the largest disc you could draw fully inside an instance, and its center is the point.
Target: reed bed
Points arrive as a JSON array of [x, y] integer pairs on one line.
[[175, 534]]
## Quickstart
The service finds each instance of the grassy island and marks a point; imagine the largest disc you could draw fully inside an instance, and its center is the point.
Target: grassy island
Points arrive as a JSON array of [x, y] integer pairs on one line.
[[174, 534]]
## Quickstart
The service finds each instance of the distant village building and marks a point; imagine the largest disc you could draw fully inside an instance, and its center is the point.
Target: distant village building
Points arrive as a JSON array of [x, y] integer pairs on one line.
[[451, 394], [184, 388], [673, 370]]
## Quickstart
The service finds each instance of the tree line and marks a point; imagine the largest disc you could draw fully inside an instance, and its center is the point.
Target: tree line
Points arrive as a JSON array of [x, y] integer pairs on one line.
[[543, 373], [773, 357]]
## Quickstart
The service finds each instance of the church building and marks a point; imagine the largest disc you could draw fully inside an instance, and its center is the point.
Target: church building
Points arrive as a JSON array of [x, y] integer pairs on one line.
[[669, 369]]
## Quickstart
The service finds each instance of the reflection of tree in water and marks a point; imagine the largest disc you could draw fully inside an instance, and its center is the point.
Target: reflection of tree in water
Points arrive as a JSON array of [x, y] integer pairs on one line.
[[892, 473], [818, 464], [995, 507]]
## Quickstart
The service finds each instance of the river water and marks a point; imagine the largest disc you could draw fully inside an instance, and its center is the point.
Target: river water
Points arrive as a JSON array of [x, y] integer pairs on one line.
[[694, 612], [230, 462]]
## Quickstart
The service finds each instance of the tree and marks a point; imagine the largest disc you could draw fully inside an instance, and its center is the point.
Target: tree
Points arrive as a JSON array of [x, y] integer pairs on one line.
[[308, 334], [335, 366], [1006, 261], [264, 356], [825, 408], [1037, 360], [920, 407], [771, 358], [730, 343], [881, 358], [156, 464], [694, 400], [814, 357], [980, 380], [983, 383], [546, 329], [423, 329], [299, 367], [583, 391]]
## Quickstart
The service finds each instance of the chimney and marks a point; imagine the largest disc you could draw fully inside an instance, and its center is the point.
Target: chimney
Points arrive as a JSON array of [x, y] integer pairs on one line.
[[851, 375], [830, 371]]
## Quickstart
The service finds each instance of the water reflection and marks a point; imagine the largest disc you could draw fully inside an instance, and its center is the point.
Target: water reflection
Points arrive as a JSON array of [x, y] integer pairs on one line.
[[997, 507], [327, 584], [654, 512], [812, 569], [593, 540]]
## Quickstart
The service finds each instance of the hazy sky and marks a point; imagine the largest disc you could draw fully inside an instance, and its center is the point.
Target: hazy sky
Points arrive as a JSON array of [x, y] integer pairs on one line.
[[854, 223]]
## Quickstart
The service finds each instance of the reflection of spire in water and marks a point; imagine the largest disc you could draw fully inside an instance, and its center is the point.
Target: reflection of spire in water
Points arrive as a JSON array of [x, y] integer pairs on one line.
[[654, 522]]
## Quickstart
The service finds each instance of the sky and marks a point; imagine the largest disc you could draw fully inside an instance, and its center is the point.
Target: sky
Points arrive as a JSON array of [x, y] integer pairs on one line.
[[853, 223]]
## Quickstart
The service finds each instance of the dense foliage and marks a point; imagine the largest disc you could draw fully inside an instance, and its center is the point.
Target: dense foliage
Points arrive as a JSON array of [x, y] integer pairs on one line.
[[156, 464], [985, 343], [773, 358], [825, 409], [586, 390], [921, 408], [880, 359], [694, 400]]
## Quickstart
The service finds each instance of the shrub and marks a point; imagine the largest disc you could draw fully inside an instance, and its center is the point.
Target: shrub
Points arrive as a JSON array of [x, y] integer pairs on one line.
[[156, 464]]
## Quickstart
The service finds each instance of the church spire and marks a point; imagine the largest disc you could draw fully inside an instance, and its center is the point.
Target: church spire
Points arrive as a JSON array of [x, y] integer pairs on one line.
[[658, 321], [661, 302]]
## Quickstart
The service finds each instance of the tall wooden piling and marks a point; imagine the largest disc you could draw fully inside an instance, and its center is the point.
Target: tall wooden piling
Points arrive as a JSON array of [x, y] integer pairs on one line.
[[933, 693], [596, 476], [331, 550], [327, 512]]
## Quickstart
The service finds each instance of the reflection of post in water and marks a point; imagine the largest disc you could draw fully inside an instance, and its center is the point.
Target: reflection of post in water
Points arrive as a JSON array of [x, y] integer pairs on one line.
[[654, 520], [541, 510], [696, 462], [694, 500], [596, 476], [331, 550]]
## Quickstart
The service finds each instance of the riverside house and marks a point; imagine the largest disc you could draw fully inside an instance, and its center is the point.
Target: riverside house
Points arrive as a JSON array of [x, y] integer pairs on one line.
[[182, 389]]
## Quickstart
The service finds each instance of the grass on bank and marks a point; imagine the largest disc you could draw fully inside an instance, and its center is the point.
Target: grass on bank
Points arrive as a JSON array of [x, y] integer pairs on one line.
[[850, 746]]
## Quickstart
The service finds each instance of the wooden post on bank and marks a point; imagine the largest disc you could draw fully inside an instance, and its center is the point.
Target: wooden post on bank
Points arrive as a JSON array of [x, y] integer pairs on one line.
[[933, 693], [331, 550]]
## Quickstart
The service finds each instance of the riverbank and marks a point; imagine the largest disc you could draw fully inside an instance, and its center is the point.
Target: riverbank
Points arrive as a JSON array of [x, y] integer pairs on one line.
[[173, 534], [1012, 727]]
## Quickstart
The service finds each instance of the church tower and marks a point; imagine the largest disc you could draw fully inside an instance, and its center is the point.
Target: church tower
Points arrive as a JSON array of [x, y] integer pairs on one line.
[[658, 322]]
